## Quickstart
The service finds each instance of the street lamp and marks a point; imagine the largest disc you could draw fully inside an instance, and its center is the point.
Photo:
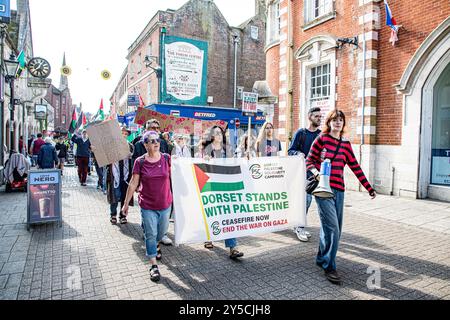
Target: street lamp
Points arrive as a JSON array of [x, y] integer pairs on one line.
[[149, 60], [11, 66], [148, 63]]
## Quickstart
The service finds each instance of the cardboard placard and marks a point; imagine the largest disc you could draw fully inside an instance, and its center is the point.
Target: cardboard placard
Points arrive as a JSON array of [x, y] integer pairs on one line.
[[109, 144], [177, 124]]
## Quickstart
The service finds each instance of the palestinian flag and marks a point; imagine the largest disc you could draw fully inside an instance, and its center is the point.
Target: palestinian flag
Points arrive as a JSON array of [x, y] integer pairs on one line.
[[22, 63], [100, 116], [83, 122], [73, 124], [141, 102], [213, 178]]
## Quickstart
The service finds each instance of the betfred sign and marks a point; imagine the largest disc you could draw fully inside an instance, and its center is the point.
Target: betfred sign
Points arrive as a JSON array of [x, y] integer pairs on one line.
[[237, 123], [249, 103], [204, 115]]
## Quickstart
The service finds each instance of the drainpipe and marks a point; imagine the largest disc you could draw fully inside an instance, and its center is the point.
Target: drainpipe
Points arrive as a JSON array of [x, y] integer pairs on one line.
[[2, 103], [236, 42], [363, 104], [162, 40], [290, 58], [393, 177]]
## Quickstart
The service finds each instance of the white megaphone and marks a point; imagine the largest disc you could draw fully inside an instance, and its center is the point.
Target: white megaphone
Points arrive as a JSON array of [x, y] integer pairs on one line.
[[323, 190]]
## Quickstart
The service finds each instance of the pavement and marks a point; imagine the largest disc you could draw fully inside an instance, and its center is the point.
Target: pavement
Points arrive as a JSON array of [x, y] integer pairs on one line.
[[391, 248]]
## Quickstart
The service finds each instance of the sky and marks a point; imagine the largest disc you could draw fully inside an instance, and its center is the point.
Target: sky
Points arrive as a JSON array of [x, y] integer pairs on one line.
[[96, 35]]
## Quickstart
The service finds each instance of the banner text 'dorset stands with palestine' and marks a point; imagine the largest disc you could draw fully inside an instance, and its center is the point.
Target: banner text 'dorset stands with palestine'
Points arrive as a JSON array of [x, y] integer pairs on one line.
[[232, 198]]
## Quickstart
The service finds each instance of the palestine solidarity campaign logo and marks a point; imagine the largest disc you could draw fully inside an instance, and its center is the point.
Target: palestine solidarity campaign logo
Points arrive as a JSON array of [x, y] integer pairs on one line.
[[212, 178]]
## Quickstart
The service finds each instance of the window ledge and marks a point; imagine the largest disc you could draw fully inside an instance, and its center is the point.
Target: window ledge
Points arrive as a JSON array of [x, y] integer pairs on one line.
[[319, 20]]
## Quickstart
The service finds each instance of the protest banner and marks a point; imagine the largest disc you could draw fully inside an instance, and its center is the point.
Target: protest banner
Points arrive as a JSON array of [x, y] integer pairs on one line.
[[177, 124], [108, 143], [231, 198]]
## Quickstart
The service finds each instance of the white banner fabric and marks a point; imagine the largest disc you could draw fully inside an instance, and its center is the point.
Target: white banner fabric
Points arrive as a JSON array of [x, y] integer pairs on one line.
[[232, 198]]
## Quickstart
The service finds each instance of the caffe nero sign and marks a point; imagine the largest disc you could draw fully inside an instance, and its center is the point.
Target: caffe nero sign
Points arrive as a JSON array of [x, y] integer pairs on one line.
[[44, 197]]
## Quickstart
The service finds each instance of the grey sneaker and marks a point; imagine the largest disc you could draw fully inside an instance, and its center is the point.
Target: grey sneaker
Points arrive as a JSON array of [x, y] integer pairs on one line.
[[301, 234], [166, 241], [307, 233]]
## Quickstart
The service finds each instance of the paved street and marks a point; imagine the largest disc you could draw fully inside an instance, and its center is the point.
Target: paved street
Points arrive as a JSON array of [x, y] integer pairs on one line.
[[405, 242]]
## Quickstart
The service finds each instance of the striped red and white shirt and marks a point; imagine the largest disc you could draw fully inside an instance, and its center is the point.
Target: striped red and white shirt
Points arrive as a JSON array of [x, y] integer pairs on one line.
[[344, 157]]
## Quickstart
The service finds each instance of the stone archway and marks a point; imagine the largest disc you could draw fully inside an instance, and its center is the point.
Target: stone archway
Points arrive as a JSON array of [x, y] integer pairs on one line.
[[417, 84]]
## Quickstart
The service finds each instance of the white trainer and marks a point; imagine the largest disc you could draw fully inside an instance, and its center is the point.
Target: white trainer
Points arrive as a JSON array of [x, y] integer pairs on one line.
[[301, 234], [166, 241], [307, 233]]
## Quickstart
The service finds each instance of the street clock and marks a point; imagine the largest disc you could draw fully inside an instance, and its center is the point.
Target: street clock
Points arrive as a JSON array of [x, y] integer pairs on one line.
[[39, 68]]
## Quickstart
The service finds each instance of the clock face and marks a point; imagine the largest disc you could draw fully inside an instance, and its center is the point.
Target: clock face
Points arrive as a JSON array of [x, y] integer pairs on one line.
[[39, 68]]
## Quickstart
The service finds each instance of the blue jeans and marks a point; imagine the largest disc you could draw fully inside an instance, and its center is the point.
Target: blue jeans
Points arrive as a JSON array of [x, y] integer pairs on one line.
[[308, 201], [156, 224], [114, 206], [231, 243], [104, 178], [99, 171], [331, 216], [34, 160]]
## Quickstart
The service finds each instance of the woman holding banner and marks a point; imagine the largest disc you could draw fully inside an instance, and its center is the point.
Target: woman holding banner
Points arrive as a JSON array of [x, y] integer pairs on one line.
[[151, 174], [267, 144], [331, 145], [217, 148]]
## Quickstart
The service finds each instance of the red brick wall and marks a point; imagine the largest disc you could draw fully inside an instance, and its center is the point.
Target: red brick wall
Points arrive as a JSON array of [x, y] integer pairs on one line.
[[344, 25], [273, 74], [418, 20]]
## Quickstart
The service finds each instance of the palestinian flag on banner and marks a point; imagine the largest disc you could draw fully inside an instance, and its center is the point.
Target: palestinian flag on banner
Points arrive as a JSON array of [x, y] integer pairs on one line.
[[214, 178], [73, 124]]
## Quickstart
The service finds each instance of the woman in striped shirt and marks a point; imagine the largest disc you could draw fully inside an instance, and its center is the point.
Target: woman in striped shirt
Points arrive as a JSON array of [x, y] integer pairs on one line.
[[331, 209]]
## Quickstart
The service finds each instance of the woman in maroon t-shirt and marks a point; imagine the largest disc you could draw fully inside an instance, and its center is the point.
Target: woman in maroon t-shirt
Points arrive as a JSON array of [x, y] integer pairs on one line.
[[151, 174]]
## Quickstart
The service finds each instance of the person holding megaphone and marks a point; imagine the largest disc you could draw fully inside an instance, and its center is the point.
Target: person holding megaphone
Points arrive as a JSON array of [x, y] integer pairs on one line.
[[330, 153]]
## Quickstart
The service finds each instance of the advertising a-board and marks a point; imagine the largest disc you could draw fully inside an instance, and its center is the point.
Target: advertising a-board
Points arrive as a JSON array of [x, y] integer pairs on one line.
[[44, 196]]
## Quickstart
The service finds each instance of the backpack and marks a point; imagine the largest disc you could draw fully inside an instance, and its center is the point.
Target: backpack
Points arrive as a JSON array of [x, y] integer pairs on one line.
[[302, 132]]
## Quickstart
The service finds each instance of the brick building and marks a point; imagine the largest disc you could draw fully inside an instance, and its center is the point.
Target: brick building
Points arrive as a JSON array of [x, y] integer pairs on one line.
[[198, 20], [404, 144], [61, 101]]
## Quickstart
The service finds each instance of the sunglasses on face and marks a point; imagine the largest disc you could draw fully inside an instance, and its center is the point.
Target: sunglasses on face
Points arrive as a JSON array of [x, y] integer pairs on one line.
[[269, 128], [154, 128], [153, 141]]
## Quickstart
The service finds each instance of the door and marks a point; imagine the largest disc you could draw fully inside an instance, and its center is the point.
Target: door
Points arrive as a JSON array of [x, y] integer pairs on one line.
[[440, 144]]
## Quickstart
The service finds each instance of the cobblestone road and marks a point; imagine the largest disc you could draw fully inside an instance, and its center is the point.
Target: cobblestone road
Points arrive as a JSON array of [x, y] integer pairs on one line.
[[407, 241]]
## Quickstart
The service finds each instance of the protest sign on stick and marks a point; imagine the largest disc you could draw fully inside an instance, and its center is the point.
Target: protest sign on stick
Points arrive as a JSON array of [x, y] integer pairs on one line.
[[177, 124], [109, 144]]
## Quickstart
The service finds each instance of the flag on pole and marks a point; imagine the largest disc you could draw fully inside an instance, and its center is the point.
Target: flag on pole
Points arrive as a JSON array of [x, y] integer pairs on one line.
[[391, 23], [141, 102], [73, 124], [100, 116], [84, 122], [22, 63]]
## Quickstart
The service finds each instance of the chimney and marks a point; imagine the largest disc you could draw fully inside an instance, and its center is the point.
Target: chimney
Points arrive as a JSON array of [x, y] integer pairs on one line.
[[260, 7]]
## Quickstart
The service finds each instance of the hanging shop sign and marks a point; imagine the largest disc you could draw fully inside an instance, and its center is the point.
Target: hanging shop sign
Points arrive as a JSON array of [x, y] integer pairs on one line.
[[184, 65]]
